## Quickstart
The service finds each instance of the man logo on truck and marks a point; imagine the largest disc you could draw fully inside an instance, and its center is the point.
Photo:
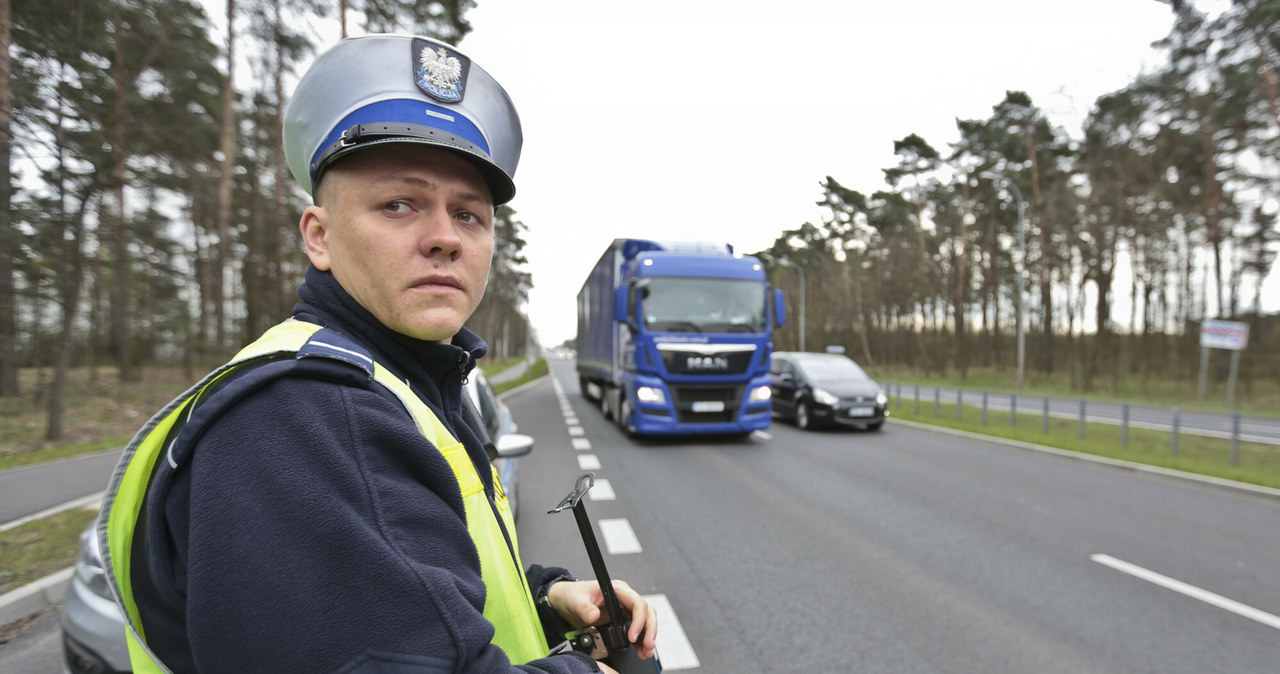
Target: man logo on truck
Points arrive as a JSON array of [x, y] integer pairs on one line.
[[707, 363]]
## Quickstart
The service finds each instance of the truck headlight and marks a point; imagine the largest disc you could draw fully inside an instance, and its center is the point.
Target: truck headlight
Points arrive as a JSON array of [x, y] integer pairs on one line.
[[760, 394], [649, 394], [823, 398], [882, 399]]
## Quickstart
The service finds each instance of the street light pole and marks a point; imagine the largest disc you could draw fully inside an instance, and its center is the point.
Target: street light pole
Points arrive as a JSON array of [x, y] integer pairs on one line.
[[1022, 254], [788, 263]]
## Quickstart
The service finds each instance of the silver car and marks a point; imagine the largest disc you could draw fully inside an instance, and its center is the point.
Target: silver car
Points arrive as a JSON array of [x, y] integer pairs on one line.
[[93, 640]]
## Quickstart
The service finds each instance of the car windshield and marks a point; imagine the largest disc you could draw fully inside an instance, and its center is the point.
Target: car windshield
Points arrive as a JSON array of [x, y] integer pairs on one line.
[[830, 369], [704, 305]]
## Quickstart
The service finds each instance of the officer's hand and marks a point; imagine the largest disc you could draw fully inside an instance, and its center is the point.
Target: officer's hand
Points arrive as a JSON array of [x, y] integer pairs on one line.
[[581, 603]]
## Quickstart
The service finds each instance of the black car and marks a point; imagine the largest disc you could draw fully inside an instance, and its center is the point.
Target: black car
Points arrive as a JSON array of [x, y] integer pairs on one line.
[[825, 389]]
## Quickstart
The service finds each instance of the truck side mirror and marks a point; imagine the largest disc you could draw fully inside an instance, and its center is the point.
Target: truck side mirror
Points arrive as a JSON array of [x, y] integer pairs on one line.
[[623, 306], [779, 309]]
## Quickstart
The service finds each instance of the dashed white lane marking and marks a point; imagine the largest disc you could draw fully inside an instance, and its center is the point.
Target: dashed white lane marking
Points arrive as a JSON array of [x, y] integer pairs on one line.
[[576, 431], [674, 649], [673, 645], [1181, 587], [763, 435], [601, 491], [619, 539]]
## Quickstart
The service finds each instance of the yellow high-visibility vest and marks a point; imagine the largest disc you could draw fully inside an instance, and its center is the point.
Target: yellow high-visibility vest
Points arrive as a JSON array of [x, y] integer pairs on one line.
[[508, 603]]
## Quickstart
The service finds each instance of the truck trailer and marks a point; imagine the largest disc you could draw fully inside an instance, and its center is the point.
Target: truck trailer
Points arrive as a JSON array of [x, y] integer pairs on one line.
[[674, 338]]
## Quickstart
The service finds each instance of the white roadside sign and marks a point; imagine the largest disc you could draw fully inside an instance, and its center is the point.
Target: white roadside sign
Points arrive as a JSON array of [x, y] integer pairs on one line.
[[1229, 335]]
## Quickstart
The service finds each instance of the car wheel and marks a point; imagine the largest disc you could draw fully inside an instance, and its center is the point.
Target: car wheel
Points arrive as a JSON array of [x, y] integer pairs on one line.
[[876, 426], [803, 422]]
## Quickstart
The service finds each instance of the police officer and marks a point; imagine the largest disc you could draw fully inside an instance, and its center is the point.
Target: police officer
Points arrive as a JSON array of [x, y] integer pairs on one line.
[[321, 503]]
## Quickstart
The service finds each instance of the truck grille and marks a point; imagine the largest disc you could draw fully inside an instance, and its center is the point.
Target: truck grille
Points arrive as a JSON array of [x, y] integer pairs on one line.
[[685, 396], [694, 362]]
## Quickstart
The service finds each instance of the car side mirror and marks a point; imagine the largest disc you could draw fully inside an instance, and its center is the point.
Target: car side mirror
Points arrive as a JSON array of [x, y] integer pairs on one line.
[[513, 445]]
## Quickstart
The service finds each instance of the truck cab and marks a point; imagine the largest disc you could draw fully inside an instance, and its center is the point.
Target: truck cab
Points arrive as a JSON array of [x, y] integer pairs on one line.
[[687, 342]]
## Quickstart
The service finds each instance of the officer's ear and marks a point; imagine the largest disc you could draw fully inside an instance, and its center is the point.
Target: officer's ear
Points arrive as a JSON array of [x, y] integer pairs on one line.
[[314, 226]]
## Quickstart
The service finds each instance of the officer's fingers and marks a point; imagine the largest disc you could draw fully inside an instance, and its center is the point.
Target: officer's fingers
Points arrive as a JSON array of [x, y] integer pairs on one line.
[[586, 601], [650, 632], [645, 646], [575, 601]]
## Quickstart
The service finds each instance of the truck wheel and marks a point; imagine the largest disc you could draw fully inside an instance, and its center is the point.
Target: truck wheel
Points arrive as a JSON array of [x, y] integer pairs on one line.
[[624, 418], [802, 416], [604, 405]]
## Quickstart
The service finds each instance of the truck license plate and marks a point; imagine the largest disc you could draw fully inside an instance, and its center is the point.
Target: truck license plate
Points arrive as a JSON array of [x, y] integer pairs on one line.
[[708, 406], [862, 411]]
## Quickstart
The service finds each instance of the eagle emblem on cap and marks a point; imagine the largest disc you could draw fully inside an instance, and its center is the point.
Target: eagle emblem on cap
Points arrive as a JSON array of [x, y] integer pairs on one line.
[[440, 74]]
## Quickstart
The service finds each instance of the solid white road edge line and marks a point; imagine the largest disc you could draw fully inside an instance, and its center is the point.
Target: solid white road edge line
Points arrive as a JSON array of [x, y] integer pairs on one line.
[[674, 649], [1189, 590], [619, 539], [90, 501]]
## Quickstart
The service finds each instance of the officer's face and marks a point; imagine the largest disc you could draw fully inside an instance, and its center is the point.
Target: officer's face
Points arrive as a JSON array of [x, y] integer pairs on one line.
[[408, 232]]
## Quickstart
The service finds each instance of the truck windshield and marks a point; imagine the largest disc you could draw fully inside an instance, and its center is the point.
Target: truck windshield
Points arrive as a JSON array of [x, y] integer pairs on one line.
[[704, 305]]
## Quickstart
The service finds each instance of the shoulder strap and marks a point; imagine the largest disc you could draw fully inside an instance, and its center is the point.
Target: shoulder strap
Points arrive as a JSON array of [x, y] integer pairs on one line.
[[326, 355]]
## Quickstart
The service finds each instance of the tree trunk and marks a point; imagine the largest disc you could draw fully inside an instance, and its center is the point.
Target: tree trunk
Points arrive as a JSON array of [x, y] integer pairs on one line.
[[1212, 207], [8, 245], [70, 279], [120, 291], [281, 304], [962, 282], [225, 178]]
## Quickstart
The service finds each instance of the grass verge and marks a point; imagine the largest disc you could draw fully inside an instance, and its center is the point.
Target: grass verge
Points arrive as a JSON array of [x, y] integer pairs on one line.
[[538, 369], [1252, 397], [39, 548], [1254, 463]]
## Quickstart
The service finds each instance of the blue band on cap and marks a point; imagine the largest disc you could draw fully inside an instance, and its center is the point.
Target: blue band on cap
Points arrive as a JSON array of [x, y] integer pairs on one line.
[[406, 111]]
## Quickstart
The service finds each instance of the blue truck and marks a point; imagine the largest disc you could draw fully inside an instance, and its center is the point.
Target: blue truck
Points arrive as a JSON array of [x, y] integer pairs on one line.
[[674, 338]]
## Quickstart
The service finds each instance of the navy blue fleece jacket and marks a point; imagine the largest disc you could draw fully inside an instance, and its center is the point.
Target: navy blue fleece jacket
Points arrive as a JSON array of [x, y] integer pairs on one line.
[[312, 528]]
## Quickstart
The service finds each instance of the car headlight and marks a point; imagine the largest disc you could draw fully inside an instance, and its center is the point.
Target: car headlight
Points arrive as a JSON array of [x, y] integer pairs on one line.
[[650, 394], [89, 565], [882, 399], [823, 398], [760, 394]]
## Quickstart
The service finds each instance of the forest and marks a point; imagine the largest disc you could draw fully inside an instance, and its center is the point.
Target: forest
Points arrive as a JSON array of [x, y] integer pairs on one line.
[[1117, 245], [149, 217]]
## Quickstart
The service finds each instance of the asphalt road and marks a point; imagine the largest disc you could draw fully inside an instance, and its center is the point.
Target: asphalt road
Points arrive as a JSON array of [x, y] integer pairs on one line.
[[900, 551], [913, 551], [31, 489]]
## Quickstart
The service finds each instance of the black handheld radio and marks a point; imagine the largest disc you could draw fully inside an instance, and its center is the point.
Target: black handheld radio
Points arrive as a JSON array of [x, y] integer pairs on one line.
[[607, 643]]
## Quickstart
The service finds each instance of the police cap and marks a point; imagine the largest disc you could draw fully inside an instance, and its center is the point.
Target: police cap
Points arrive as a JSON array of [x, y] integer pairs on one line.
[[376, 89]]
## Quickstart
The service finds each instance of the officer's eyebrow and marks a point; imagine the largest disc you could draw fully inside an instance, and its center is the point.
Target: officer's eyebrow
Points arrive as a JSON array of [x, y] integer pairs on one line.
[[469, 195]]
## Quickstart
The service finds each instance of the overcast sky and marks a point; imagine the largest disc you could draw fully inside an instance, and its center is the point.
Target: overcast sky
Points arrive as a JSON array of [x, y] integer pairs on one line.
[[716, 120]]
